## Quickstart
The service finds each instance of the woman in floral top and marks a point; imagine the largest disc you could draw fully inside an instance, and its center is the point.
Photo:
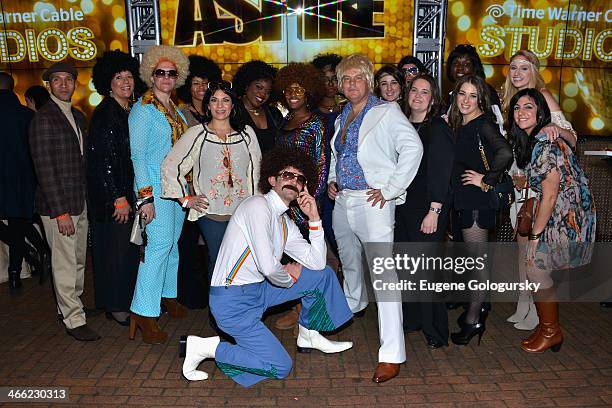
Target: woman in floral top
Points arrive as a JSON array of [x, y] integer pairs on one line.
[[564, 222], [224, 156]]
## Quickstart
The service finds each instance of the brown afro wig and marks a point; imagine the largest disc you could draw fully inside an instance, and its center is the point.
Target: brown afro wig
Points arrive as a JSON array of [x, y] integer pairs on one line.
[[278, 159], [307, 76]]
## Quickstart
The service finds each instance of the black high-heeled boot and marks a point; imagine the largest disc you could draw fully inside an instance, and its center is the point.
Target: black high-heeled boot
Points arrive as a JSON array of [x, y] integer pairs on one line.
[[486, 307], [14, 280], [468, 331]]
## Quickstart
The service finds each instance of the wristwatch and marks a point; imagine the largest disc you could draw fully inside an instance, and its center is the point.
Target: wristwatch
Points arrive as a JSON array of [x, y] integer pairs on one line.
[[436, 210]]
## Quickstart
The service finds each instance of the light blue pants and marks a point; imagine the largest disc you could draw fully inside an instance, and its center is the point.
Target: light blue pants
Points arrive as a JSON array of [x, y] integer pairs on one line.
[[157, 275], [258, 354]]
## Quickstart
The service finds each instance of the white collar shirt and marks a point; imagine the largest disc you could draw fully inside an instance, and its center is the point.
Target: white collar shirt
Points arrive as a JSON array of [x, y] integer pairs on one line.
[[256, 237]]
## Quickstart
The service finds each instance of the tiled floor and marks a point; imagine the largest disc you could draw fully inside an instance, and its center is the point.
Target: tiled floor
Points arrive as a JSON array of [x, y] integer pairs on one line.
[[35, 351]]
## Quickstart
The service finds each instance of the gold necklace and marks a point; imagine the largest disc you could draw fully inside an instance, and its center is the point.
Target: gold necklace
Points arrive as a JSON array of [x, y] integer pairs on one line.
[[254, 111]]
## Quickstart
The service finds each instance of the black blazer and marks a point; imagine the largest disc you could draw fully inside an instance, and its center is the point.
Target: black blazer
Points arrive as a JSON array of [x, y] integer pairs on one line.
[[17, 179]]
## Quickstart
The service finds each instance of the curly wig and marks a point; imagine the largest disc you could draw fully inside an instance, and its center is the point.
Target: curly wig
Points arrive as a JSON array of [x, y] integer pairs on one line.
[[326, 61], [278, 159], [159, 53], [199, 67], [252, 71], [306, 75], [359, 62], [108, 65]]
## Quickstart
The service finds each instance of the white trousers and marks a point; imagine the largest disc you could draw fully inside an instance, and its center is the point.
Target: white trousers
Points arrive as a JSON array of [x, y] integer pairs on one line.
[[355, 221]]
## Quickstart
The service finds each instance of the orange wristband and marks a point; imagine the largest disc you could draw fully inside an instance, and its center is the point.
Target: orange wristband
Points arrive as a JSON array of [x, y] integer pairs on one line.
[[314, 227], [124, 201], [62, 216]]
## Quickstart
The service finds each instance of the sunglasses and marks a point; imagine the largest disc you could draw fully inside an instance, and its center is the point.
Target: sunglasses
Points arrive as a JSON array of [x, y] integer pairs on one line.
[[295, 90], [411, 70], [288, 175], [160, 73], [220, 85]]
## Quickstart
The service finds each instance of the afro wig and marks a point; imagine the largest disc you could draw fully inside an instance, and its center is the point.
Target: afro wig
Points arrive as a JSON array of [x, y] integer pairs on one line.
[[306, 75], [159, 53], [201, 67], [108, 65], [252, 71], [278, 159], [326, 61]]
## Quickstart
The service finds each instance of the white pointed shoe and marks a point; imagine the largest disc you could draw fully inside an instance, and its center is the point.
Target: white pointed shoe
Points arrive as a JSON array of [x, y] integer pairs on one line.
[[195, 350], [309, 340]]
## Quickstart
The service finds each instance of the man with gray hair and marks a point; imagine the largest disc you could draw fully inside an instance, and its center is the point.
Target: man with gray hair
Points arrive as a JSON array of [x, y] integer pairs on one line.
[[56, 142], [375, 155]]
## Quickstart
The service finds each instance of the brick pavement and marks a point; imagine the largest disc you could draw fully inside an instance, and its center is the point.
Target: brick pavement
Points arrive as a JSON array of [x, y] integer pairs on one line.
[[35, 351]]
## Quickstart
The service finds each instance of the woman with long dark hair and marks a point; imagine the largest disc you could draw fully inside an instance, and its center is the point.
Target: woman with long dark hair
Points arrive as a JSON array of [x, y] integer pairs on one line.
[[481, 156], [425, 214], [564, 222], [224, 156]]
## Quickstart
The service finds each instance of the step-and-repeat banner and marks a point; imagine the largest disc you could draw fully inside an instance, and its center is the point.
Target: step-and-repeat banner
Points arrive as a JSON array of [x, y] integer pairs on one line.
[[36, 34], [573, 40]]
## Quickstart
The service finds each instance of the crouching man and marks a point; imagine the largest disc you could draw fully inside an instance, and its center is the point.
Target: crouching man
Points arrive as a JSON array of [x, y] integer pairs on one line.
[[248, 279]]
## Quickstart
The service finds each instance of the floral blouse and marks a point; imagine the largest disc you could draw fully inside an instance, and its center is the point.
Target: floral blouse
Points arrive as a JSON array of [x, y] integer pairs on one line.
[[567, 237]]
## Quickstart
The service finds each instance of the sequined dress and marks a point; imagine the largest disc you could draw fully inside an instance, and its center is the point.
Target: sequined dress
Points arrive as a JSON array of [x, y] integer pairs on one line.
[[310, 138]]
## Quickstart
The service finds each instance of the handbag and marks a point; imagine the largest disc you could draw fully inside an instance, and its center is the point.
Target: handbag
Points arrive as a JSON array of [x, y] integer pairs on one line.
[[139, 231], [138, 236], [525, 217], [502, 195]]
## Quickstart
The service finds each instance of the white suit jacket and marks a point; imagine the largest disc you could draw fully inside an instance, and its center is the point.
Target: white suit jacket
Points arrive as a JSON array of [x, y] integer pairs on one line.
[[389, 151]]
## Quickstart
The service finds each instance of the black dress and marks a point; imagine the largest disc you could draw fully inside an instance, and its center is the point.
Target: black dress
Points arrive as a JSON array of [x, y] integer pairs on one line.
[[431, 184], [110, 175], [265, 137], [473, 204]]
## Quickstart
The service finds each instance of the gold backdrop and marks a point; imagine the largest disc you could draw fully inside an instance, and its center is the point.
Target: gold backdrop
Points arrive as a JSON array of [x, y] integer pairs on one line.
[[573, 40], [35, 34]]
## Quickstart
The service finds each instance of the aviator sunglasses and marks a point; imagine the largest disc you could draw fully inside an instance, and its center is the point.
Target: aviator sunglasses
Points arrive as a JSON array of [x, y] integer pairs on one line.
[[288, 175], [160, 73]]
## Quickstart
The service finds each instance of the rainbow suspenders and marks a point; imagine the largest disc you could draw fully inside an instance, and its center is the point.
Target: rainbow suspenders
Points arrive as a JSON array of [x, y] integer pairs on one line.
[[245, 254]]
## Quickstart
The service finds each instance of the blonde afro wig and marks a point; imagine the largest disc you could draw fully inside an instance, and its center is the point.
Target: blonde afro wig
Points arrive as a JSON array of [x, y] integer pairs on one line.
[[160, 53]]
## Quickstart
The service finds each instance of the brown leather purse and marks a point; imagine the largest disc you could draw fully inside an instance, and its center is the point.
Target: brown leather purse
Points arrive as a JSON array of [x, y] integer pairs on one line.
[[526, 216]]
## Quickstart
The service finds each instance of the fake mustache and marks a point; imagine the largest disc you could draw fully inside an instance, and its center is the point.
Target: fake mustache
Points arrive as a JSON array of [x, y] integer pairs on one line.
[[290, 187]]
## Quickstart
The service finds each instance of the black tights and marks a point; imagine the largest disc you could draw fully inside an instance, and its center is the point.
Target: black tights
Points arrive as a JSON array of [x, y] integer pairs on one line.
[[475, 234]]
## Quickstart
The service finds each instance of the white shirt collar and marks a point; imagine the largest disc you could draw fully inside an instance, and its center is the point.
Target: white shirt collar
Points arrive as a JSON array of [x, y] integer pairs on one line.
[[277, 204]]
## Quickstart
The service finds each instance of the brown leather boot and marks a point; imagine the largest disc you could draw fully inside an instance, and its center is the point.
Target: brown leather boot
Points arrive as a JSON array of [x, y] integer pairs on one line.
[[549, 335], [532, 336], [289, 321], [174, 308], [151, 333]]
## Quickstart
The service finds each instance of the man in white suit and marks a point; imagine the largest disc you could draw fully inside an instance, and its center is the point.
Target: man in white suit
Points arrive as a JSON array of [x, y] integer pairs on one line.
[[375, 155]]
